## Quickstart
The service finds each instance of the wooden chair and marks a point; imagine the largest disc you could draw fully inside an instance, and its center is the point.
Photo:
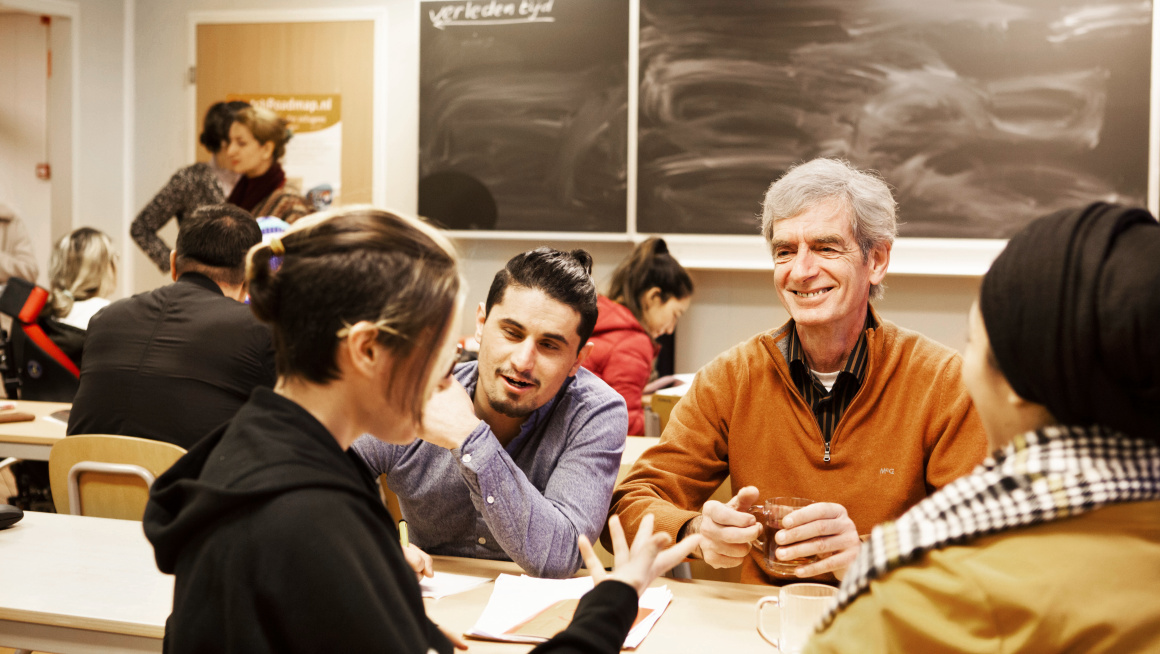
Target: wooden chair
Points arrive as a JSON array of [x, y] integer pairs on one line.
[[107, 476]]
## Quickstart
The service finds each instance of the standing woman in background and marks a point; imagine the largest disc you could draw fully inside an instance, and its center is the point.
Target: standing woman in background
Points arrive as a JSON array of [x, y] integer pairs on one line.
[[649, 292], [191, 187], [83, 274], [258, 140]]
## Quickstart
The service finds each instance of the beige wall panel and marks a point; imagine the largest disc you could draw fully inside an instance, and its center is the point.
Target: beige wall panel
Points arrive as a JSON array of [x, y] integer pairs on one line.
[[289, 58]]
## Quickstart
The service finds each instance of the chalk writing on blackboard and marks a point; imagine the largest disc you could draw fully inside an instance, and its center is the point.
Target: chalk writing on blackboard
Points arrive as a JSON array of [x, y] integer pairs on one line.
[[492, 13]]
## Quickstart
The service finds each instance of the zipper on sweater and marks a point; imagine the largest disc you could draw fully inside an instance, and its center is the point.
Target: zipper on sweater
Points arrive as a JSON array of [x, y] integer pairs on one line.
[[827, 457]]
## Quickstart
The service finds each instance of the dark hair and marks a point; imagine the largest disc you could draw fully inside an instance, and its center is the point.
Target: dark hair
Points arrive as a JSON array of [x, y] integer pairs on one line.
[[563, 276], [214, 241], [215, 128], [266, 126], [357, 264], [649, 266]]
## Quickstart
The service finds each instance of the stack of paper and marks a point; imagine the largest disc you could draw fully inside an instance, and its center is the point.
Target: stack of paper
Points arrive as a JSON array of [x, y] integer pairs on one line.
[[531, 610], [445, 583]]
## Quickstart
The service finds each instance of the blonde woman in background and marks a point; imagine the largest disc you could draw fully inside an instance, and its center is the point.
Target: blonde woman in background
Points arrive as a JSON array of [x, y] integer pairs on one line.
[[258, 140], [82, 275]]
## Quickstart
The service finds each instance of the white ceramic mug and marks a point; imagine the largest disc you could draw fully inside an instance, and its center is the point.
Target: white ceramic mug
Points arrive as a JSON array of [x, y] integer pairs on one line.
[[800, 607]]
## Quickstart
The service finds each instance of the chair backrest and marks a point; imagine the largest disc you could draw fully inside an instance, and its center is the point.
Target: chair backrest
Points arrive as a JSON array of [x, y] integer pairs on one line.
[[108, 476], [42, 376]]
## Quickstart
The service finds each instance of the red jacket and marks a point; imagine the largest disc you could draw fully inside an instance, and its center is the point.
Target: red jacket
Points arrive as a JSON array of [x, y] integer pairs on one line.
[[623, 357]]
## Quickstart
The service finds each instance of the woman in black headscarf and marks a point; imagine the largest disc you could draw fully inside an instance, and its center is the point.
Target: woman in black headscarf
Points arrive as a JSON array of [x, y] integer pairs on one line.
[[1053, 543]]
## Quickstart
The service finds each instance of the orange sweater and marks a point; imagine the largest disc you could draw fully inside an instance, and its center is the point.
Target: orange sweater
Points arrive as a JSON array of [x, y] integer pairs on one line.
[[910, 430]]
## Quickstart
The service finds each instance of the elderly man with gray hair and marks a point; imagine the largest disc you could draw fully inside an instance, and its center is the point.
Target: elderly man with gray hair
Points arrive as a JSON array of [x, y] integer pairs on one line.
[[838, 405]]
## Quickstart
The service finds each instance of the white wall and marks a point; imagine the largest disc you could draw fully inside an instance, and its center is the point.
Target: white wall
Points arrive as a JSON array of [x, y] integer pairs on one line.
[[94, 197], [729, 306], [101, 132], [60, 134], [23, 127]]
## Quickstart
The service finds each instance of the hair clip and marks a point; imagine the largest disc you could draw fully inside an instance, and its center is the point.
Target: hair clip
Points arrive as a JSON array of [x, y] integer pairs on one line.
[[276, 246], [381, 325]]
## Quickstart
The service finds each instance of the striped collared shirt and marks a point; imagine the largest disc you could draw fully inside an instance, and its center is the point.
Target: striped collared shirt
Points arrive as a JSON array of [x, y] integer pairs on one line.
[[828, 406]]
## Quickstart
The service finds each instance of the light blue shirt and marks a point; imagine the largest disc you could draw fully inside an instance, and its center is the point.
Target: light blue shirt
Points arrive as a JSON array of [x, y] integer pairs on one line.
[[528, 502]]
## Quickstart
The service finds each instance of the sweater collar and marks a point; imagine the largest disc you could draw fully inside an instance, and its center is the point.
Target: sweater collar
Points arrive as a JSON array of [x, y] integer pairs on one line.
[[250, 192], [856, 363]]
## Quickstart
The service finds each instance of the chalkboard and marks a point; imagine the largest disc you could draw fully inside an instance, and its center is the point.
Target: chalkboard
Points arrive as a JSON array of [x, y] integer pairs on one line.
[[981, 115], [524, 114]]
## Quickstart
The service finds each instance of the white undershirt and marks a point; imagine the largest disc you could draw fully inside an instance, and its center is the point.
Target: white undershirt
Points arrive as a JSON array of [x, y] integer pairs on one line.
[[83, 310], [827, 379]]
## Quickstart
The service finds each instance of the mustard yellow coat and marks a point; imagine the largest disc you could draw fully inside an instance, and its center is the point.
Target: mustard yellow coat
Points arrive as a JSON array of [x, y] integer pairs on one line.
[[1084, 584]]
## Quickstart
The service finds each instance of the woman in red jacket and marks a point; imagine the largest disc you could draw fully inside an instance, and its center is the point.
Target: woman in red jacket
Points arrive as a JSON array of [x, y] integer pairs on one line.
[[648, 294]]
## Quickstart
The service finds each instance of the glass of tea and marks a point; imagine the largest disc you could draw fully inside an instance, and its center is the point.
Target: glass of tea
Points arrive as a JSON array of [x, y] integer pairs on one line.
[[769, 514]]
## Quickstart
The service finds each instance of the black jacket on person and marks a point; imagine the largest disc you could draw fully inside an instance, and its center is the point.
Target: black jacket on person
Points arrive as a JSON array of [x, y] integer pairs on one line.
[[280, 543], [171, 364]]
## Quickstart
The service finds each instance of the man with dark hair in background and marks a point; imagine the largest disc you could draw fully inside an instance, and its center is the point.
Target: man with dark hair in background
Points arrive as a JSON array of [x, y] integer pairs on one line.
[[174, 363], [520, 452]]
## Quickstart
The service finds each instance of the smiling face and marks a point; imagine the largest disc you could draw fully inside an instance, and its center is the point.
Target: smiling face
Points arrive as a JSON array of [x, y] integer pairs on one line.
[[820, 273], [246, 154], [527, 349], [660, 317]]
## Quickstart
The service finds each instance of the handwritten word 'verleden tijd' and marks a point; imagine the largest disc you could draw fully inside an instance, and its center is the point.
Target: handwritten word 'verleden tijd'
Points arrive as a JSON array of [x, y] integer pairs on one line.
[[492, 13]]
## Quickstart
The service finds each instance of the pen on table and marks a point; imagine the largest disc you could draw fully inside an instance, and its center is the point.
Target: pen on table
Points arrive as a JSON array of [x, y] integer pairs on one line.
[[404, 540]]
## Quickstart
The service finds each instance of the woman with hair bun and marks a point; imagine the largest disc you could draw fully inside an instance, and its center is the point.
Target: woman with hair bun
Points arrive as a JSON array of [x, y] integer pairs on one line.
[[274, 527], [191, 187], [258, 139], [650, 291]]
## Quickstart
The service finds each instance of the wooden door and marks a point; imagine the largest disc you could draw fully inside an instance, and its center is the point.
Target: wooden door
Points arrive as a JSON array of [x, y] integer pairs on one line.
[[297, 58]]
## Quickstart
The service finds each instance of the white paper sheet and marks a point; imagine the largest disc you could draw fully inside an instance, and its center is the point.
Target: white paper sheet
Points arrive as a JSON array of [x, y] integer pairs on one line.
[[445, 583], [516, 599]]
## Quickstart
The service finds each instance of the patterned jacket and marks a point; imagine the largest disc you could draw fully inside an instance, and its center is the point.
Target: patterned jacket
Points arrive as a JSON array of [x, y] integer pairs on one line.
[[189, 188]]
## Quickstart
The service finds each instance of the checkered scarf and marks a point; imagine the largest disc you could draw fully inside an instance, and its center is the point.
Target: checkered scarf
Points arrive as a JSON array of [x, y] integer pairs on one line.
[[1044, 475]]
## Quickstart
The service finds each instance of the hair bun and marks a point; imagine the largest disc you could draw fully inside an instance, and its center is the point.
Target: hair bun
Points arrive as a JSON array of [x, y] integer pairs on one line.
[[263, 283], [583, 258]]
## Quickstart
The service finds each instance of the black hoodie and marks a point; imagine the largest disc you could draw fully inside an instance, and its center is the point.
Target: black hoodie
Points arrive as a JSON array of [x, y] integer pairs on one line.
[[280, 543]]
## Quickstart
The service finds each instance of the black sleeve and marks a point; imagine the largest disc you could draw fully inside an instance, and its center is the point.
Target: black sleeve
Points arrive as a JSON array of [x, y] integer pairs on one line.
[[335, 581], [602, 621]]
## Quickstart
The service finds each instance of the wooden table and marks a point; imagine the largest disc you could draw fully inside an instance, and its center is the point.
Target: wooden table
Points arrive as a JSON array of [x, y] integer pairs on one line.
[[81, 585], [85, 585], [33, 439], [705, 616]]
